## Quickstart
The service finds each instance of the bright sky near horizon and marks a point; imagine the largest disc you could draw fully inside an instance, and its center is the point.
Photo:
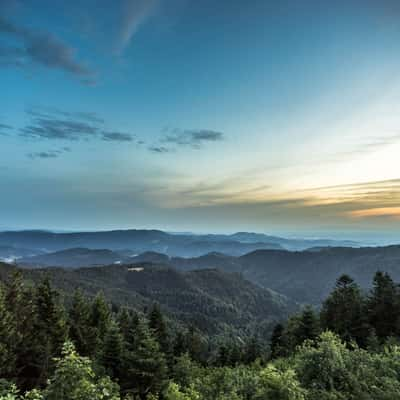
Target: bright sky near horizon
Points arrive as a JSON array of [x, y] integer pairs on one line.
[[271, 116]]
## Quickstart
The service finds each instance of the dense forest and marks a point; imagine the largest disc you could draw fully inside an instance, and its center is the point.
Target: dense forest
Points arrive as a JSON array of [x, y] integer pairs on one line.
[[87, 348]]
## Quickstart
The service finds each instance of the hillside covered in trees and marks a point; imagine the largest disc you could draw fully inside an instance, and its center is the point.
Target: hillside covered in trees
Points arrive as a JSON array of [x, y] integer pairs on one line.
[[81, 347], [217, 303]]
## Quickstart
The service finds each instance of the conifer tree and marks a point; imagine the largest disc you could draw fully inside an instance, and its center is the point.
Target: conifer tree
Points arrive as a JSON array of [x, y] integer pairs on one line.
[[159, 328], [277, 346], [7, 337], [308, 325], [343, 311], [100, 319], [112, 351], [383, 306], [144, 365], [124, 320], [49, 331], [180, 344], [80, 330]]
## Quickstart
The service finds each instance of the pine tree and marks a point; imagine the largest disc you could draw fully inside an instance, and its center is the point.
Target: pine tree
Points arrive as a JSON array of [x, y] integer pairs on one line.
[[144, 364], [124, 320], [308, 325], [7, 337], [180, 344], [79, 323], [113, 351], [159, 328], [383, 306], [277, 342], [19, 302], [194, 344], [100, 319], [343, 311], [49, 330], [223, 356], [252, 350]]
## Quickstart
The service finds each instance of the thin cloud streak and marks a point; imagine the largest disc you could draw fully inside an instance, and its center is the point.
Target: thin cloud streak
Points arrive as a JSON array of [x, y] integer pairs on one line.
[[134, 14]]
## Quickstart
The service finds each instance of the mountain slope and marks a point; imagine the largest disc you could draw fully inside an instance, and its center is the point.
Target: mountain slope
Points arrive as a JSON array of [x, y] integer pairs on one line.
[[212, 300], [306, 276]]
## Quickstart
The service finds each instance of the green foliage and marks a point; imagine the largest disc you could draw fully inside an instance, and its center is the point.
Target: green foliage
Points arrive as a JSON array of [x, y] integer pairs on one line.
[[343, 311], [279, 385], [74, 379], [41, 361]]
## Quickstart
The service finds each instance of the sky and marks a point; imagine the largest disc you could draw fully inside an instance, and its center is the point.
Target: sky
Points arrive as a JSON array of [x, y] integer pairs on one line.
[[203, 116]]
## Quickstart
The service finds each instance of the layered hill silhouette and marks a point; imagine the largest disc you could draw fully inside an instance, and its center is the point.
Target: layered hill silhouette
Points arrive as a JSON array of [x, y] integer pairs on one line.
[[132, 242]]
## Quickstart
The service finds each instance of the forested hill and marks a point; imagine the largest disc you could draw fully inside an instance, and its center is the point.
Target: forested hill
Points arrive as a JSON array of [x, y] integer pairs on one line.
[[214, 301], [135, 241], [306, 276]]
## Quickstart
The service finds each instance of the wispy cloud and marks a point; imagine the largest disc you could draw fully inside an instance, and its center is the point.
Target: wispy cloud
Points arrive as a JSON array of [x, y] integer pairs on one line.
[[159, 149], [31, 46], [4, 129], [194, 138], [59, 129], [117, 137], [134, 15], [5, 126], [54, 124], [48, 154]]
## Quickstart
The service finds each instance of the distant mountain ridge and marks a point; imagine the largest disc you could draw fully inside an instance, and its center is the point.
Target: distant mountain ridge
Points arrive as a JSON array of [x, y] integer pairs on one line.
[[139, 241], [74, 258]]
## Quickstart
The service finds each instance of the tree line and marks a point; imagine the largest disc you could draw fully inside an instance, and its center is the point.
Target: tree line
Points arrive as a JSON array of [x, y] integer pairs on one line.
[[88, 349]]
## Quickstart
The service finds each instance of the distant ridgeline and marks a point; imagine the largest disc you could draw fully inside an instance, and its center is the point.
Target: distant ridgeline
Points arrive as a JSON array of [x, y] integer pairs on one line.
[[303, 276], [110, 339]]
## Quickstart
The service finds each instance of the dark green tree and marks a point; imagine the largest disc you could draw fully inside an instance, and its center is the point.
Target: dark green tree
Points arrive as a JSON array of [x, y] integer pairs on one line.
[[7, 337], [252, 350], [159, 328], [308, 327], [343, 312], [100, 319], [80, 330], [383, 306], [277, 345], [145, 369], [49, 331], [112, 352]]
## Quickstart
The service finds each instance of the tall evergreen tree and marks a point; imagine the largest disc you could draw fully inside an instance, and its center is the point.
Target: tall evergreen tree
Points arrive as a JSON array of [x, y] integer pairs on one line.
[[145, 370], [124, 320], [308, 325], [100, 319], [19, 301], [277, 342], [383, 306], [7, 336], [194, 344], [112, 352], [343, 311], [252, 350], [49, 330], [180, 344], [80, 330], [158, 326]]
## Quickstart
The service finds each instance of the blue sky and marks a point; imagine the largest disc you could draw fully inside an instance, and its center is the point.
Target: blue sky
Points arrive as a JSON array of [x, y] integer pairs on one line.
[[272, 116]]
